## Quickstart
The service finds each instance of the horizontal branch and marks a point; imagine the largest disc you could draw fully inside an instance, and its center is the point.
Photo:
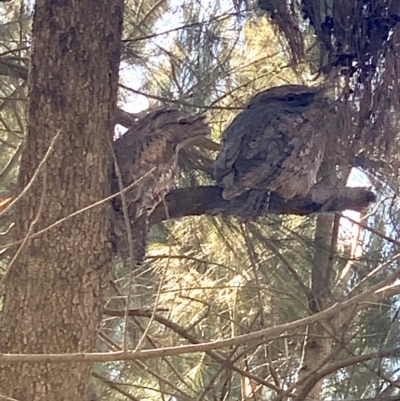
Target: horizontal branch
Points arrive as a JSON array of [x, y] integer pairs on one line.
[[261, 335], [195, 201]]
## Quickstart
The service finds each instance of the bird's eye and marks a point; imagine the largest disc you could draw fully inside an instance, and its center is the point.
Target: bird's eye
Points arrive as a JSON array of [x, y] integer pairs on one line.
[[184, 122]]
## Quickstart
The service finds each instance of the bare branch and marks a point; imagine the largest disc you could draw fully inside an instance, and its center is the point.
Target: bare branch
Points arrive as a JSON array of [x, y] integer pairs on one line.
[[208, 200]]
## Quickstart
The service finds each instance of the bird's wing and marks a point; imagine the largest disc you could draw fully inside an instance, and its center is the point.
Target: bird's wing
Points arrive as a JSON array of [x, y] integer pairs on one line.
[[252, 150], [152, 164], [231, 144]]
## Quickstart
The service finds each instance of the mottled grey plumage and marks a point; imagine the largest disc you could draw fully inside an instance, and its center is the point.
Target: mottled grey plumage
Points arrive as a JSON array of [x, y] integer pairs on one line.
[[276, 144], [147, 154]]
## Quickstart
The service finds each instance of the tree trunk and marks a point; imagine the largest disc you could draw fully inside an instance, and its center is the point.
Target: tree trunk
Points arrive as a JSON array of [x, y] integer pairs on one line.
[[53, 290], [318, 343]]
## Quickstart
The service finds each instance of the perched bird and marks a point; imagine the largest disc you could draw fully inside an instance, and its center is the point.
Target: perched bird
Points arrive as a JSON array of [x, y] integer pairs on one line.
[[276, 144], [147, 157]]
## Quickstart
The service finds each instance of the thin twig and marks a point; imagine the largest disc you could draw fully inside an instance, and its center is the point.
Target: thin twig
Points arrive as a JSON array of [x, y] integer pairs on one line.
[[95, 204]]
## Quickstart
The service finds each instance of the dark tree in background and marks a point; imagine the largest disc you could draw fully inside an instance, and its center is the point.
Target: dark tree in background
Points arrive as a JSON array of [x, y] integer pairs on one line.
[[356, 50]]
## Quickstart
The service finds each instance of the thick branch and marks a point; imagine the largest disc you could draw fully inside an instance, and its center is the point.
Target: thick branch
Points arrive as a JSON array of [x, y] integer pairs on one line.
[[195, 201]]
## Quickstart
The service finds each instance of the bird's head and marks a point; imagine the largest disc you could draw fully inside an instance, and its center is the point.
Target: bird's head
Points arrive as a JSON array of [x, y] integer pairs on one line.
[[176, 126], [288, 96]]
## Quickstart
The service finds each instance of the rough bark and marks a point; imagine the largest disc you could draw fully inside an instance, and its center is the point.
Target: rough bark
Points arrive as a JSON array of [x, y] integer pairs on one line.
[[53, 290]]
